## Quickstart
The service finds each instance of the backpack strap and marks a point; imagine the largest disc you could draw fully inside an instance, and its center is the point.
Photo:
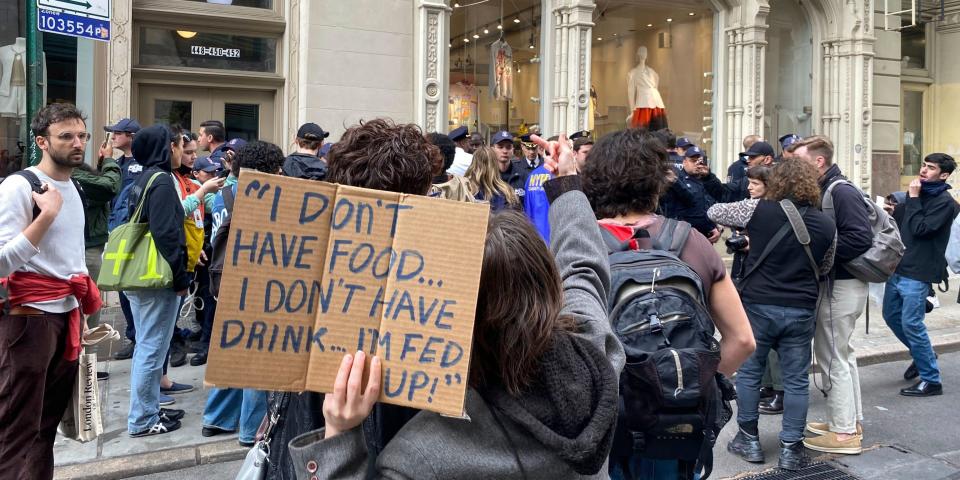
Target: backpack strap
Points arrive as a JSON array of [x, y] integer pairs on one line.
[[143, 196], [795, 218], [613, 243], [228, 198], [672, 236], [35, 185]]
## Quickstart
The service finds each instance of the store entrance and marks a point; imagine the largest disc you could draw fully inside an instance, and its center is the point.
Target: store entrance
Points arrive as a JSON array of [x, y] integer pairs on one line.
[[246, 114]]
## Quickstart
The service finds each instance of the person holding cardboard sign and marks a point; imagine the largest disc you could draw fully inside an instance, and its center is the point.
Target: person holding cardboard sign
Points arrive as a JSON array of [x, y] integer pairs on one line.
[[542, 393]]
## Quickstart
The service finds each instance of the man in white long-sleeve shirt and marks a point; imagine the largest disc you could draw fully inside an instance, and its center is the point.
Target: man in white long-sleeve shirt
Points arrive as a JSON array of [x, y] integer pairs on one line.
[[43, 268]]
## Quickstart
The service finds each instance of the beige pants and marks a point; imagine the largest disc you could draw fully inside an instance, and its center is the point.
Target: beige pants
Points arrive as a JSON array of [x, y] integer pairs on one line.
[[835, 357]]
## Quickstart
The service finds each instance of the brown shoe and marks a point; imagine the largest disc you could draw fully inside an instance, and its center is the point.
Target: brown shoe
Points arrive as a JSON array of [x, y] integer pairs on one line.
[[818, 428], [829, 443]]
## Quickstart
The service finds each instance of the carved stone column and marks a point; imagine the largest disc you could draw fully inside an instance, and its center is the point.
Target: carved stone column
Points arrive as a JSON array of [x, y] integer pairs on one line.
[[120, 61], [846, 87], [572, 26], [432, 65], [296, 56], [740, 78]]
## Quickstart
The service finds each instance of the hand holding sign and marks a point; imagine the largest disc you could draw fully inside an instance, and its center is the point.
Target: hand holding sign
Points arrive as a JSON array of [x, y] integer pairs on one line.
[[350, 403]]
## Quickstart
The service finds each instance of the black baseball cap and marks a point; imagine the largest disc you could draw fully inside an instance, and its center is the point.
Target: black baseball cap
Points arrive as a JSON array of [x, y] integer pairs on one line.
[[311, 131], [758, 149]]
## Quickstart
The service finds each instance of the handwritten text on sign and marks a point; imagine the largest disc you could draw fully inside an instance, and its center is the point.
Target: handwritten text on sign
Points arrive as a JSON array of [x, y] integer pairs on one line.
[[316, 270]]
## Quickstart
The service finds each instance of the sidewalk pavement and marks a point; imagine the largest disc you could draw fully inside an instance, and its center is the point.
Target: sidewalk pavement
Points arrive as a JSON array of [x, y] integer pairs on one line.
[[116, 455]]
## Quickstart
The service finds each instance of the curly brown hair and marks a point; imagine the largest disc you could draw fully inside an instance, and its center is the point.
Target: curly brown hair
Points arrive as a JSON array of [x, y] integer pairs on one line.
[[796, 180], [626, 173], [382, 155]]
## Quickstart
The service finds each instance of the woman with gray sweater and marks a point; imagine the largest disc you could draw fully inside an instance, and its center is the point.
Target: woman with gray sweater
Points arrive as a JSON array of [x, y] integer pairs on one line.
[[542, 400]]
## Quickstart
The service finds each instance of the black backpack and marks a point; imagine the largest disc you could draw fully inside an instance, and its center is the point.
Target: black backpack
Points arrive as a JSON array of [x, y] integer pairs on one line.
[[673, 402]]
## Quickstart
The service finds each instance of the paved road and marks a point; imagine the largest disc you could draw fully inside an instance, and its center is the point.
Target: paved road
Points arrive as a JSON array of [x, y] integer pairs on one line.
[[925, 426]]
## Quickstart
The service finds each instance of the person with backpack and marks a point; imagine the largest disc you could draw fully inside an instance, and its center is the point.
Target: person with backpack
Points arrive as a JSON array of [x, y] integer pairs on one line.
[[305, 162], [229, 410], [845, 302], [121, 138], [792, 246], [542, 395], [46, 290], [155, 310], [924, 218], [623, 181]]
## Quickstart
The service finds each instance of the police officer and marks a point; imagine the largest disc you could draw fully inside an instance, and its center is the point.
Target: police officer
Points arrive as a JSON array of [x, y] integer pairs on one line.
[[690, 177]]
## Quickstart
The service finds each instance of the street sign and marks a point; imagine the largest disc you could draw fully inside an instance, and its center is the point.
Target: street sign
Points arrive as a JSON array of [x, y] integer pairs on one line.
[[90, 8], [76, 18]]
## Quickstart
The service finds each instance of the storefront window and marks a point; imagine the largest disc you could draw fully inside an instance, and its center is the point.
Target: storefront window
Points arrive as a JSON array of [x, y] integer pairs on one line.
[[912, 126], [495, 67], [913, 46], [13, 80], [653, 68], [240, 3], [170, 48], [788, 103]]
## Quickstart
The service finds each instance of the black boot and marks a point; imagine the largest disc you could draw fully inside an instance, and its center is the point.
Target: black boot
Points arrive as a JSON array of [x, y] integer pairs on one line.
[[772, 405], [178, 353], [792, 456], [747, 447], [766, 392]]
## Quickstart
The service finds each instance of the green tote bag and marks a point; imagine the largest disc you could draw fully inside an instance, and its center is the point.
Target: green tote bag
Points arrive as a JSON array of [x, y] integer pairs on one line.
[[130, 258]]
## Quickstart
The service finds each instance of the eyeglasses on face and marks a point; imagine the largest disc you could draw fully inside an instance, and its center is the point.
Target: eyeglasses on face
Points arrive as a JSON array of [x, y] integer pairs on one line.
[[68, 137]]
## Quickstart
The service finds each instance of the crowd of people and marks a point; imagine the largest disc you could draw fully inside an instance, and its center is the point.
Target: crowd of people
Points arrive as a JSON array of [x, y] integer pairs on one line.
[[547, 364]]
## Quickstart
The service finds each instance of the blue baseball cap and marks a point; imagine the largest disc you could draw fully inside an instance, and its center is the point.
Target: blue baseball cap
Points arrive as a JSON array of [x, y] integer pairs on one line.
[[457, 133], [234, 144], [693, 151], [501, 136], [127, 125], [684, 142], [788, 139], [208, 164], [217, 156]]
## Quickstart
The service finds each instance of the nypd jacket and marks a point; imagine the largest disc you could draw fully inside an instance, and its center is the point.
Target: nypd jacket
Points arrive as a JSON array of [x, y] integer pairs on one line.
[[694, 212]]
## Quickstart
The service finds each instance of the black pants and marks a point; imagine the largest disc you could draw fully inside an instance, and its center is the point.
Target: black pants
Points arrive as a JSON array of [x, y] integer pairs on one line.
[[36, 383]]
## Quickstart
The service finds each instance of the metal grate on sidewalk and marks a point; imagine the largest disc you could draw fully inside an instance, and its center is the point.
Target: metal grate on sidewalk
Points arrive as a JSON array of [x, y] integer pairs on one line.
[[814, 471]]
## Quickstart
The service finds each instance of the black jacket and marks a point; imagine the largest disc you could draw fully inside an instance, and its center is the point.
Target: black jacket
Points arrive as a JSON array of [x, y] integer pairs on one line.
[[734, 190], [854, 232], [516, 177], [162, 209], [737, 169], [785, 277], [925, 230], [695, 212], [304, 165]]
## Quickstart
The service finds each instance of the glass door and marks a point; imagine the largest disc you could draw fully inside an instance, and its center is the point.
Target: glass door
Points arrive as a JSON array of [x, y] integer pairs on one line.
[[246, 114], [911, 132]]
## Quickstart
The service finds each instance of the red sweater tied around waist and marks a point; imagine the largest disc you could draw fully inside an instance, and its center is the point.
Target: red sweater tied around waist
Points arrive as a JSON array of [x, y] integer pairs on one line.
[[29, 287]]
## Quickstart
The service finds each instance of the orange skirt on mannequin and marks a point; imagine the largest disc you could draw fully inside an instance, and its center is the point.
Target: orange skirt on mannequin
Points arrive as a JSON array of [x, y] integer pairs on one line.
[[649, 118]]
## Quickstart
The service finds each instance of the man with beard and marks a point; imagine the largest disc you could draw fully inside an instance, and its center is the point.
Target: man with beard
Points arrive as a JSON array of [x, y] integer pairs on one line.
[[42, 260]]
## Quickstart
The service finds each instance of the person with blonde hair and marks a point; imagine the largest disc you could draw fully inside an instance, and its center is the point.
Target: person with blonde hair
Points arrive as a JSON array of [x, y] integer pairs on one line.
[[484, 174]]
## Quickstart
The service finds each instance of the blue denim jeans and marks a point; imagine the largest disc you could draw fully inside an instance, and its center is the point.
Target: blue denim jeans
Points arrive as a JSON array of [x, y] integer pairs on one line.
[[789, 331], [155, 315], [904, 307], [233, 408]]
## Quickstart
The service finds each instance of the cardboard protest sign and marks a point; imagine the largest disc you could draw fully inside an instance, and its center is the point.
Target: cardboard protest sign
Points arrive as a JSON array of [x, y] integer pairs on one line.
[[316, 270]]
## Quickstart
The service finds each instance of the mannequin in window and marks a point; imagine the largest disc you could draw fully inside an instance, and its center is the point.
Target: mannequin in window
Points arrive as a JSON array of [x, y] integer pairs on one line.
[[645, 101], [13, 79]]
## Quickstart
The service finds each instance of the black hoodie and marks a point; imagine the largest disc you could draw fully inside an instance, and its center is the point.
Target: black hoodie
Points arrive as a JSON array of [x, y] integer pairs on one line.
[[304, 165], [162, 209]]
